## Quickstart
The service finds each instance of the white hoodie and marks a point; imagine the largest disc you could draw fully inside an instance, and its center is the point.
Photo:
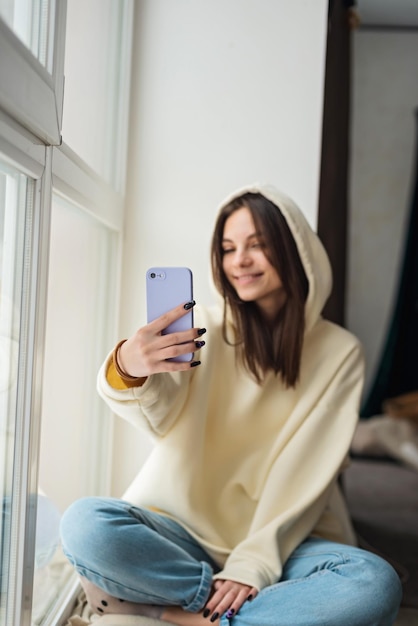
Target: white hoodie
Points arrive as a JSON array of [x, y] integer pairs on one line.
[[251, 470]]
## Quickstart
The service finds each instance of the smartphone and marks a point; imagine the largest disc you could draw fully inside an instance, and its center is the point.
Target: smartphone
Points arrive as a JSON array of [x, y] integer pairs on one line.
[[166, 288]]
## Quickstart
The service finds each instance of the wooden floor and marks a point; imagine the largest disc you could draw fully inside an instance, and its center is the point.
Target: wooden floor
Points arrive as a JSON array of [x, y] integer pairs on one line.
[[383, 502], [407, 617]]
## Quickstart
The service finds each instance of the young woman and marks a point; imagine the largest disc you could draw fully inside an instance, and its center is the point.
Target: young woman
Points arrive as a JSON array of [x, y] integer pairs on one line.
[[236, 516]]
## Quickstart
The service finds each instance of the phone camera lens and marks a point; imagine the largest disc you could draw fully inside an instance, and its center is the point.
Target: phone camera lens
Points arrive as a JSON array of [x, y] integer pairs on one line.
[[153, 275]]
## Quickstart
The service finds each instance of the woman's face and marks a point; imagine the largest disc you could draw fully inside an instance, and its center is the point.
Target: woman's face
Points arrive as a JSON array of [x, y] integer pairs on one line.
[[246, 266]]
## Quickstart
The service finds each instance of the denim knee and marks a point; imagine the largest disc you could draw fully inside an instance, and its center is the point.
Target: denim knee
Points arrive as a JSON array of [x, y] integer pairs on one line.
[[83, 527], [110, 544], [378, 575]]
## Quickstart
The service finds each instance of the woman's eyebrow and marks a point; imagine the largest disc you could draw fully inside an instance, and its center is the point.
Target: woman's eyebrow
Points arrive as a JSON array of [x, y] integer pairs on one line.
[[252, 236]]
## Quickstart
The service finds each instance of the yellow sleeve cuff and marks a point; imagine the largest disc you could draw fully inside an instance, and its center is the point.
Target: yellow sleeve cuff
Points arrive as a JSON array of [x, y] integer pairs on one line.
[[113, 377]]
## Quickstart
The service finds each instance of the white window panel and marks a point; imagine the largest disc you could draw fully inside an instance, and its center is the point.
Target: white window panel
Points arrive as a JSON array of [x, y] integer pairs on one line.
[[74, 179], [97, 75], [76, 429], [80, 325]]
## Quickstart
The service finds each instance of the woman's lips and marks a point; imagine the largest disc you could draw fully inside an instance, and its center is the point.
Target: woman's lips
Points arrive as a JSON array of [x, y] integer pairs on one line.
[[245, 279]]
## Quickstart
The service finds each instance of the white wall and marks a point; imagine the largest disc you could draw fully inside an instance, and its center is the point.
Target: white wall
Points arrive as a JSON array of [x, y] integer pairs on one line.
[[224, 93], [385, 96]]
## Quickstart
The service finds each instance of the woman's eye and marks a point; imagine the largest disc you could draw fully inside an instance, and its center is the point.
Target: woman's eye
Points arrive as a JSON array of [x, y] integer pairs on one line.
[[226, 250]]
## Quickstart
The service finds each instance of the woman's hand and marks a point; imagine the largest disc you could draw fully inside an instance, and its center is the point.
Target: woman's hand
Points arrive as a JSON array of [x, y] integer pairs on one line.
[[227, 596], [147, 351]]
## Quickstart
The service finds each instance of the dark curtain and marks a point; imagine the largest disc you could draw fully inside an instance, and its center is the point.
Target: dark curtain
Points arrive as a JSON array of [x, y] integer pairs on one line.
[[397, 372], [332, 211]]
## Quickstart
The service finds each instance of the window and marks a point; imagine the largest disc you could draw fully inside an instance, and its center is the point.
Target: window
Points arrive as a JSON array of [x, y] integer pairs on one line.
[[32, 84], [23, 226], [61, 218]]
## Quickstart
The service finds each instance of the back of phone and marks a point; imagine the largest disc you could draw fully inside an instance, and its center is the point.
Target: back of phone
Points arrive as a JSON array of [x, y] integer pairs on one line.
[[166, 288]]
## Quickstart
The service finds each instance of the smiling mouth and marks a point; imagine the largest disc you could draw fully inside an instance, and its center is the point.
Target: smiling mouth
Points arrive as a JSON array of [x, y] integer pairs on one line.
[[247, 278]]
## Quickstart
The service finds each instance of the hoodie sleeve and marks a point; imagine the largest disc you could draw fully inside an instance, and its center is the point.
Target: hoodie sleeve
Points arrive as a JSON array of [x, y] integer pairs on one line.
[[300, 481], [153, 407], [158, 403]]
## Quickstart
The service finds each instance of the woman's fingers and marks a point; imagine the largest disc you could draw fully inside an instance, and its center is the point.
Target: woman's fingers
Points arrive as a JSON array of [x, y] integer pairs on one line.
[[228, 597], [178, 349], [162, 322], [143, 355], [148, 351]]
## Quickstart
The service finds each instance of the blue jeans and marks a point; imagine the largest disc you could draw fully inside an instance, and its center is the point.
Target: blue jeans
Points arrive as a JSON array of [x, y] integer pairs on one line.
[[143, 557]]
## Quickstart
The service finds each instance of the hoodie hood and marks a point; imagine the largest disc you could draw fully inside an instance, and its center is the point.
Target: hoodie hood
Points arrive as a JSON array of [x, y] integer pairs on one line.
[[311, 251]]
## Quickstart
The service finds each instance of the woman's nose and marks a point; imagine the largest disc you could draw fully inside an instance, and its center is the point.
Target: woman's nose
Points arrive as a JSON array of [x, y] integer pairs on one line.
[[242, 258]]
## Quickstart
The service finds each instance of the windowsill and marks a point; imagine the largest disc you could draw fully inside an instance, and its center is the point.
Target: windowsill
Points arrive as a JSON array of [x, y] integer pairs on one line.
[[55, 590]]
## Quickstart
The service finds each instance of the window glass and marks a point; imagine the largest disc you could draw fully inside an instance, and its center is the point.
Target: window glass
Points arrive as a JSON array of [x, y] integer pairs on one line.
[[31, 21], [75, 432], [13, 187]]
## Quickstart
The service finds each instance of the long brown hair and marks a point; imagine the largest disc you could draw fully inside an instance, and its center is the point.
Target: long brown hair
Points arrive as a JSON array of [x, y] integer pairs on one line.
[[263, 347]]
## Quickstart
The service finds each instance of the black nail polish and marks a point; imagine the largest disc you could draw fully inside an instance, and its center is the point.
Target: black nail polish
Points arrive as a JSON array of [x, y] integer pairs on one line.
[[201, 331], [199, 344], [250, 597], [195, 363], [214, 617], [189, 305], [206, 613]]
